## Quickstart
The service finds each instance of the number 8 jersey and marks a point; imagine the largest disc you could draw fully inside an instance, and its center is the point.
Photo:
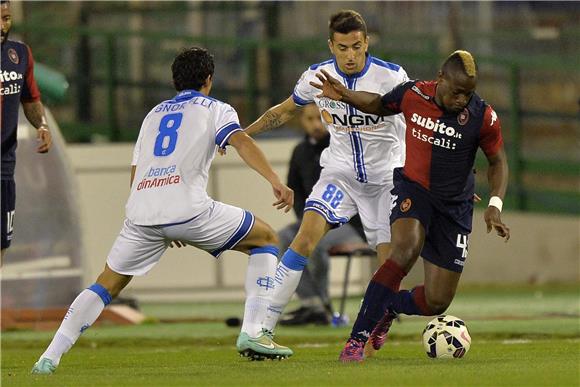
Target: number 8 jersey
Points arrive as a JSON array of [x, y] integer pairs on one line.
[[173, 153]]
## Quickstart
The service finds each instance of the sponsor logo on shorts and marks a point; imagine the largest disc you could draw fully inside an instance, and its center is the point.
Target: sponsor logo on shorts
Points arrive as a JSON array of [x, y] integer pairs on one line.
[[406, 205], [459, 262], [463, 117]]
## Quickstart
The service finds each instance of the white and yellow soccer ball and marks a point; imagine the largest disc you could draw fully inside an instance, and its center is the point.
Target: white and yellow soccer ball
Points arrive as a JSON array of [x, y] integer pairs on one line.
[[446, 337]]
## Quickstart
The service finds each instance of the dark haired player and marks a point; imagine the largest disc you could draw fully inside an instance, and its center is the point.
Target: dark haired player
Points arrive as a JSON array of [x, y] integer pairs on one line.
[[358, 164], [17, 85], [169, 202], [433, 194]]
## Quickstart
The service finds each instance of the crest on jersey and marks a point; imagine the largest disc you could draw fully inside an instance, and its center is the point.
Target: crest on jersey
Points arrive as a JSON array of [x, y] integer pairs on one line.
[[326, 116], [463, 117], [13, 55], [406, 205]]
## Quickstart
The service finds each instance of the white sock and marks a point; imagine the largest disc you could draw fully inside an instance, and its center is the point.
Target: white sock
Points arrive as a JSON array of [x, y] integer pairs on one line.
[[82, 313], [288, 275], [259, 287]]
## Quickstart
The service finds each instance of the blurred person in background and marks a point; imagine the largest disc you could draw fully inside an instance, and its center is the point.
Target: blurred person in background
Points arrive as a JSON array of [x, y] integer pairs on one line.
[[432, 211], [169, 204], [303, 173], [357, 173], [17, 86]]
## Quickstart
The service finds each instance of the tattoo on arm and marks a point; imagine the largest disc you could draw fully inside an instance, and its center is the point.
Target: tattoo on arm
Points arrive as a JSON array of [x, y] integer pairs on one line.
[[271, 120], [34, 112]]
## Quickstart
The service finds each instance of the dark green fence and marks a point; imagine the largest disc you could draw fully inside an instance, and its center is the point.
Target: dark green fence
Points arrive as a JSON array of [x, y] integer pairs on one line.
[[116, 77]]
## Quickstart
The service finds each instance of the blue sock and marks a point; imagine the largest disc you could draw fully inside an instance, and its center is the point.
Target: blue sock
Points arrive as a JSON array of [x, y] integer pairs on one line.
[[411, 302], [379, 295], [288, 275]]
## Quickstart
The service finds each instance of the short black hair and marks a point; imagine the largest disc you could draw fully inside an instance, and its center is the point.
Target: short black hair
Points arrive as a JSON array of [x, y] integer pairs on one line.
[[5, 2], [345, 21], [191, 68], [460, 61]]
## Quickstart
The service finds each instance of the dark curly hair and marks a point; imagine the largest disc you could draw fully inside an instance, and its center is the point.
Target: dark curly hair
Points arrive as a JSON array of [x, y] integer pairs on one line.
[[191, 67], [346, 21]]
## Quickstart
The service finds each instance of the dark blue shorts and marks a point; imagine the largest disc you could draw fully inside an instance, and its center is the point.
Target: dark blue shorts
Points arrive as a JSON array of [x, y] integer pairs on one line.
[[447, 224], [8, 205]]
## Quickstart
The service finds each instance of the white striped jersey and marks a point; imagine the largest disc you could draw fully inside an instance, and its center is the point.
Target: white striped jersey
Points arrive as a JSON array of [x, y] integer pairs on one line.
[[367, 145], [173, 153]]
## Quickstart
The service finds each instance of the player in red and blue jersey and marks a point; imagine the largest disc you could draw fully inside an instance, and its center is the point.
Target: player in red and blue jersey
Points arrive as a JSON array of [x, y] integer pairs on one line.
[[17, 85], [431, 216]]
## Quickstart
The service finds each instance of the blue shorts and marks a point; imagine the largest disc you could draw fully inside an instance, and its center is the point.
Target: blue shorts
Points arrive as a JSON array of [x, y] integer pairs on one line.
[[8, 205], [447, 223]]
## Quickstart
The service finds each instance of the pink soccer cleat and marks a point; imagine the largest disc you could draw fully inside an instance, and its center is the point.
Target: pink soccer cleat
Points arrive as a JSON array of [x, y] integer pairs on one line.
[[379, 334], [353, 351]]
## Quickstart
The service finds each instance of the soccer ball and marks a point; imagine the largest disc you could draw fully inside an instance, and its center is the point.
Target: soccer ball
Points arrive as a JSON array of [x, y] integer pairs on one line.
[[446, 337]]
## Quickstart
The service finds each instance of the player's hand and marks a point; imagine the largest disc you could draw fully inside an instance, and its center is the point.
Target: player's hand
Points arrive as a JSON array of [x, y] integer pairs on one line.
[[493, 221], [331, 87], [221, 151], [284, 195], [45, 138]]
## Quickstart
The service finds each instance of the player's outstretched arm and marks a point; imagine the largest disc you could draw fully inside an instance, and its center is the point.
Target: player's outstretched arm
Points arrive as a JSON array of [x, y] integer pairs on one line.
[[254, 157], [362, 100], [273, 118], [34, 112], [497, 176]]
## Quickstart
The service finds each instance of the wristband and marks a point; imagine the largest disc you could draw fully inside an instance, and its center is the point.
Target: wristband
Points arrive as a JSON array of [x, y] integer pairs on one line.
[[43, 127], [496, 202]]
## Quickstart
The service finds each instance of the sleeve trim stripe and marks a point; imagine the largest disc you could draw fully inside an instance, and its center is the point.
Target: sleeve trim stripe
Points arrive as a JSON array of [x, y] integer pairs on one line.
[[222, 139], [299, 101]]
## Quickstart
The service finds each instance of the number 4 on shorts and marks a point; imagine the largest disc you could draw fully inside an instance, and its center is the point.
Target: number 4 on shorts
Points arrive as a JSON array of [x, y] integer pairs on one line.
[[462, 242]]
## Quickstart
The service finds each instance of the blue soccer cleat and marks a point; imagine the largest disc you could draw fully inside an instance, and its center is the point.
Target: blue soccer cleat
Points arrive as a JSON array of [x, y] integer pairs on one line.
[[44, 367]]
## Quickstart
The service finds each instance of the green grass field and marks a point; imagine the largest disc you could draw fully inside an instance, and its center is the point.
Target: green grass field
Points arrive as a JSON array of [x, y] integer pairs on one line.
[[521, 336]]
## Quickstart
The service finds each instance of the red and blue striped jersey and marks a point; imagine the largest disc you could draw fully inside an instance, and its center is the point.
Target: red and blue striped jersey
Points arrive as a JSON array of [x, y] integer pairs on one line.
[[441, 145], [17, 85]]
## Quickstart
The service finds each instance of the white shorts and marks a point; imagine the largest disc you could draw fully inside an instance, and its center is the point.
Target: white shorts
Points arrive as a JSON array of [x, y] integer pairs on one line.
[[338, 197], [219, 228]]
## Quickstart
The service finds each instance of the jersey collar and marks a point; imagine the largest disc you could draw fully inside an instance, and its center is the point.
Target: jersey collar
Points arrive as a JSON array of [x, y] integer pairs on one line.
[[185, 95], [356, 75]]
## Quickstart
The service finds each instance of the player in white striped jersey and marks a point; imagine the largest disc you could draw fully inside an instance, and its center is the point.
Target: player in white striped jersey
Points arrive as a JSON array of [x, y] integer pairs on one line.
[[358, 165], [169, 204]]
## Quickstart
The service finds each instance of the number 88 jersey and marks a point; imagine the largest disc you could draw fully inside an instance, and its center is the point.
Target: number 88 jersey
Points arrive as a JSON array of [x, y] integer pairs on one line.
[[173, 154]]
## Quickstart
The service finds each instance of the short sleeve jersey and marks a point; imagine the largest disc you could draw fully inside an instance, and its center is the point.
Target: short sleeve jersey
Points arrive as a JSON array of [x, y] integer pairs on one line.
[[173, 154], [366, 145], [17, 84], [440, 145]]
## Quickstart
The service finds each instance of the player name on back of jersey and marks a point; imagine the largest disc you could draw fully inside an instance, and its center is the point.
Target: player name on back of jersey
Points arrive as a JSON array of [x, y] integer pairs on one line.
[[159, 177], [434, 127]]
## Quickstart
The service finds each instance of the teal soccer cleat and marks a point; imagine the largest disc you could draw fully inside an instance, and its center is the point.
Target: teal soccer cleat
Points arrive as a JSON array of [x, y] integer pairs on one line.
[[261, 347], [44, 366]]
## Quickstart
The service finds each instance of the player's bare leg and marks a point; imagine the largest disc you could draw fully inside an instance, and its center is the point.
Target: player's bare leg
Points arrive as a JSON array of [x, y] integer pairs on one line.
[[440, 287], [260, 244], [82, 313], [290, 267]]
